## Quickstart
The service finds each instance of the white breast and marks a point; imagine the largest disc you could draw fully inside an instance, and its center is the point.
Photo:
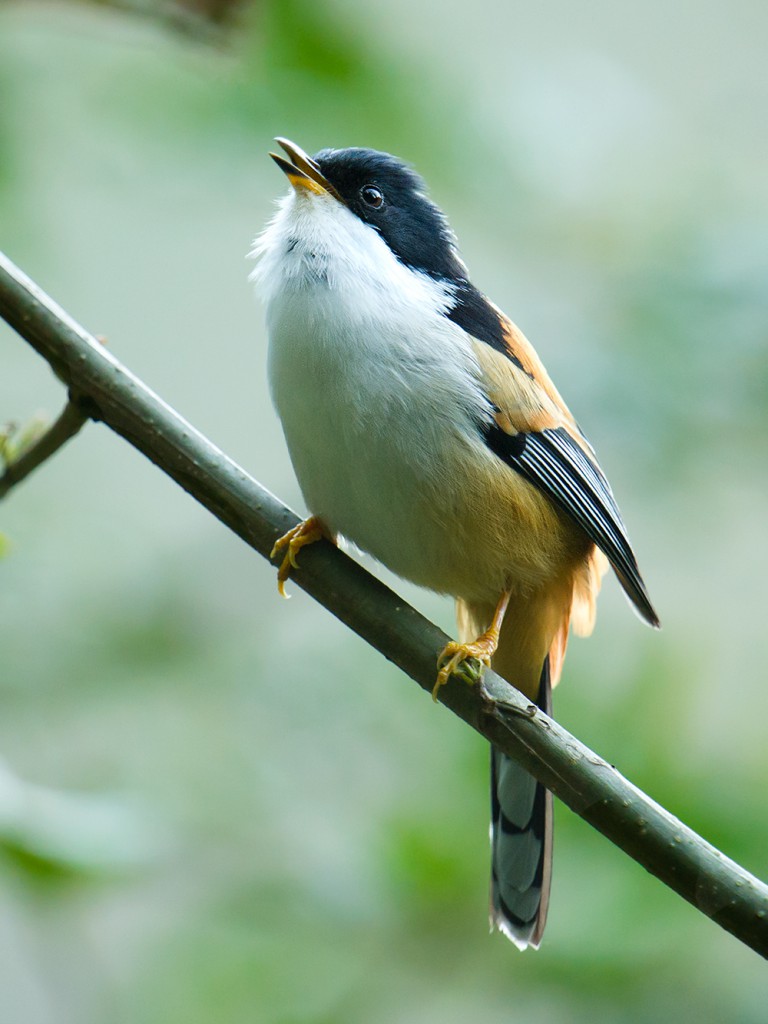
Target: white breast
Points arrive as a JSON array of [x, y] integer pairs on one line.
[[376, 389]]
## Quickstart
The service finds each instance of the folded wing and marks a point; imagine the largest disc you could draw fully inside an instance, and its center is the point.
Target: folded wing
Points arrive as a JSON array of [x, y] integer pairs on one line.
[[534, 433], [555, 463]]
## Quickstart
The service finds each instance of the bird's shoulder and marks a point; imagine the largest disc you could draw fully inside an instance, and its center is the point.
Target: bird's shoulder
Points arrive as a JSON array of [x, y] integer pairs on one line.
[[515, 379]]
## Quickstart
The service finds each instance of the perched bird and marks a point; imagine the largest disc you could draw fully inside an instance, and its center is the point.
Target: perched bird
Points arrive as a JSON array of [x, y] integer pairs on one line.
[[423, 427]]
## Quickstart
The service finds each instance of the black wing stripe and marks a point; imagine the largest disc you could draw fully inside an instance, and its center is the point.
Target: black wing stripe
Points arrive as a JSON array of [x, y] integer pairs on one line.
[[578, 500], [552, 461], [610, 516], [582, 490], [599, 517], [559, 483]]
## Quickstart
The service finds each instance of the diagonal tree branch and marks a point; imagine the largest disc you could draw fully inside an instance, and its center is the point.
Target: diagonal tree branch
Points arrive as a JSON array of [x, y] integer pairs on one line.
[[591, 787]]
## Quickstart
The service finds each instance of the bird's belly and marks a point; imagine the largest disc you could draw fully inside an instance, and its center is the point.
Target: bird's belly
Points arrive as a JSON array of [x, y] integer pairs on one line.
[[389, 463], [372, 481], [378, 506]]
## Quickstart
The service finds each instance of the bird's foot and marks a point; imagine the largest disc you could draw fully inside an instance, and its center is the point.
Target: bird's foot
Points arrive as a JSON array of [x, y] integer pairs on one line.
[[306, 532], [455, 654]]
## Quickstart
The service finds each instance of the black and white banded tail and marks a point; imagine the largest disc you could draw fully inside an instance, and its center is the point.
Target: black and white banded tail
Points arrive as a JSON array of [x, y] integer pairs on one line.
[[521, 843]]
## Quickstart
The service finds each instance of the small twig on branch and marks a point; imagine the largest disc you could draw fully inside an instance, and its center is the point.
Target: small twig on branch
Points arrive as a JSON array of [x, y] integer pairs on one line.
[[717, 886], [47, 444]]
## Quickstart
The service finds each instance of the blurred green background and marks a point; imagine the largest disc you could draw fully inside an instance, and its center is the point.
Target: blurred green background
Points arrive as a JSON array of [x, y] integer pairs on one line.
[[215, 806]]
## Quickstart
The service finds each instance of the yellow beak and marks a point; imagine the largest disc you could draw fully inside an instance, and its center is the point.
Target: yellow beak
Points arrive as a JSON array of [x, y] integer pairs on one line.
[[302, 171]]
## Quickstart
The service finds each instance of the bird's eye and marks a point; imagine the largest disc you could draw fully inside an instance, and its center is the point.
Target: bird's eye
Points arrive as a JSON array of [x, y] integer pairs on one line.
[[372, 196]]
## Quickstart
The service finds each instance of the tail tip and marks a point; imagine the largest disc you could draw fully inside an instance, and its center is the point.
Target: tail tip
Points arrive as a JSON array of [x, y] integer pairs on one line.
[[522, 936]]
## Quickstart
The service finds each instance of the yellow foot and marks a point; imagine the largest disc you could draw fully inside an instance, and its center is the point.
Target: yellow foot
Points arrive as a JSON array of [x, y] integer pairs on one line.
[[455, 654], [307, 532]]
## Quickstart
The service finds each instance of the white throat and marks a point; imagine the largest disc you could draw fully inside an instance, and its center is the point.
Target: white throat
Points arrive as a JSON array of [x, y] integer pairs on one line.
[[317, 241]]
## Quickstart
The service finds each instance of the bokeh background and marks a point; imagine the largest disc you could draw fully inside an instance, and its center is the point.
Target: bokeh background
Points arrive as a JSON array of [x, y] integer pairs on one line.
[[216, 806]]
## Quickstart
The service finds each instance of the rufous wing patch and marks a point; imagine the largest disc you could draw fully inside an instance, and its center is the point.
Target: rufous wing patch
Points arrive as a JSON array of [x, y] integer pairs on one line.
[[523, 406], [521, 350]]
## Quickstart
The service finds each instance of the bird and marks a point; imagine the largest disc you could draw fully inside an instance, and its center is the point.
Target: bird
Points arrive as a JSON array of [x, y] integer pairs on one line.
[[424, 429]]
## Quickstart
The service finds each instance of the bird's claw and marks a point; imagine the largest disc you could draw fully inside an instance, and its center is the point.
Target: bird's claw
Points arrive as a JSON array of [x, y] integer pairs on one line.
[[304, 533], [456, 659]]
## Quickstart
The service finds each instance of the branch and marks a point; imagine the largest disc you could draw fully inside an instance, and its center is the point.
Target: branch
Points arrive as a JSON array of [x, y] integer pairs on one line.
[[591, 787], [47, 444]]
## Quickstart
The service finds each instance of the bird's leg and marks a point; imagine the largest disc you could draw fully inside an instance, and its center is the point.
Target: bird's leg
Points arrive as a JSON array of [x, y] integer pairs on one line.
[[454, 653], [306, 532]]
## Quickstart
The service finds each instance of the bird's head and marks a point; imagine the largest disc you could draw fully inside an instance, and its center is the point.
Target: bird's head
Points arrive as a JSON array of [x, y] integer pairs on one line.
[[353, 199]]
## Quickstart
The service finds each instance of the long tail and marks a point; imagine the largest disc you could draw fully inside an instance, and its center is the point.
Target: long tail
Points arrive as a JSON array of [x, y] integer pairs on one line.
[[521, 843]]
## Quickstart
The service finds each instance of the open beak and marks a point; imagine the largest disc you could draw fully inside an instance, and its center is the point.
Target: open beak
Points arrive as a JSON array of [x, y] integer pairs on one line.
[[302, 171]]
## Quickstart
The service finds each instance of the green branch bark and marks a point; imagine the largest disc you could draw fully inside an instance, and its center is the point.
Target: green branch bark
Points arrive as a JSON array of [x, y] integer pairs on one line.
[[110, 393]]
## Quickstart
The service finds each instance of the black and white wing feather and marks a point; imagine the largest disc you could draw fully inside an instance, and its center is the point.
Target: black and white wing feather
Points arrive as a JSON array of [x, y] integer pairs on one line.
[[554, 462]]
